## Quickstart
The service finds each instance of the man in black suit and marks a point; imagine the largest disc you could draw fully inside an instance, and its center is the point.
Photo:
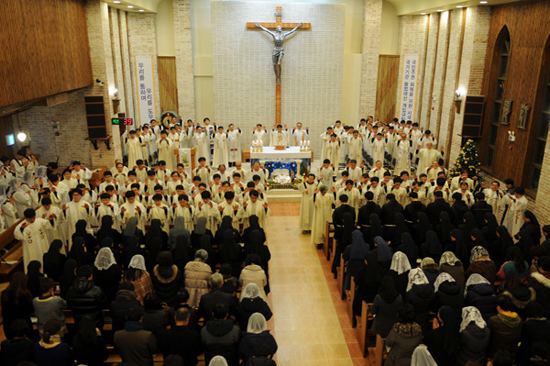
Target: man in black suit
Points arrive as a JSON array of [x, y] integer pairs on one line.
[[436, 207], [480, 208], [458, 210], [387, 215], [338, 221], [412, 209], [216, 296], [368, 209], [181, 340]]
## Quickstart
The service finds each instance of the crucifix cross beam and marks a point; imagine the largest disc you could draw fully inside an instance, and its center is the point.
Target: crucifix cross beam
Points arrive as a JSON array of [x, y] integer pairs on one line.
[[278, 51]]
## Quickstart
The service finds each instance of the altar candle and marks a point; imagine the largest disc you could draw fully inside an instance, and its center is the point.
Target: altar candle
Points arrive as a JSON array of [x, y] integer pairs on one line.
[[308, 143]]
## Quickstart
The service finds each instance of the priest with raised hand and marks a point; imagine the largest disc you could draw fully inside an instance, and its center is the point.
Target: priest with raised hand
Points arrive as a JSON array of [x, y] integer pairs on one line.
[[77, 209], [279, 137], [234, 144], [32, 231], [255, 206], [307, 189], [425, 157], [299, 134]]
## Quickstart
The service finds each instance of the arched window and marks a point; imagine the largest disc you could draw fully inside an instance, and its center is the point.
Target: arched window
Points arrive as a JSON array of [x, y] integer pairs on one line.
[[502, 54], [544, 122]]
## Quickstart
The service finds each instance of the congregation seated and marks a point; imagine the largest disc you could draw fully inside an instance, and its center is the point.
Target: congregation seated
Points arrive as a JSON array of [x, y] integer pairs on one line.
[[166, 278], [47, 306], [220, 336], [54, 261], [250, 302], [474, 337], [253, 273], [214, 297], [403, 338], [18, 347], [51, 350], [124, 300], [480, 294], [135, 345], [520, 294], [16, 303], [136, 273], [385, 306], [197, 274], [89, 347], [505, 328], [181, 339], [107, 273], [420, 295], [256, 335], [85, 298], [155, 317]]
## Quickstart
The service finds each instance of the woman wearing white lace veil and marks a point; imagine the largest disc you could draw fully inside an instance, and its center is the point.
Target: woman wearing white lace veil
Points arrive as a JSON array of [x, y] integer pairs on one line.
[[107, 272], [447, 292], [138, 275], [256, 333], [218, 361], [474, 336], [420, 294], [452, 265], [399, 270], [252, 301], [422, 357], [480, 294]]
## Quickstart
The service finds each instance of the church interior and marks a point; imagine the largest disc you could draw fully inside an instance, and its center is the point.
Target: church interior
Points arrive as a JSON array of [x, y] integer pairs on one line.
[[243, 182]]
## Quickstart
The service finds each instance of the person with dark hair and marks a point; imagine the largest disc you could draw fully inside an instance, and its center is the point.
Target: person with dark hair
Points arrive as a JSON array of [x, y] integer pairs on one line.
[[197, 274], [535, 328], [481, 294], [480, 208], [546, 242], [443, 340], [220, 336], [19, 348], [166, 278], [229, 248], [135, 345], [514, 263], [531, 228], [89, 347], [421, 227], [34, 276], [502, 357], [107, 273], [499, 246], [432, 246], [253, 272], [81, 231], [540, 282], [403, 338], [230, 283], [51, 351], [409, 248], [155, 317], [474, 336], [458, 209], [536, 252], [54, 261], [67, 279], [16, 303], [444, 229], [198, 232], [388, 213], [385, 306], [182, 301], [125, 299], [434, 209], [85, 298], [181, 339], [505, 328], [47, 306]]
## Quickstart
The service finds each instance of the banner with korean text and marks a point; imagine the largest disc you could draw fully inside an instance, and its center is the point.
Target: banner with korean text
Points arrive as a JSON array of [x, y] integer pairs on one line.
[[407, 96], [145, 89]]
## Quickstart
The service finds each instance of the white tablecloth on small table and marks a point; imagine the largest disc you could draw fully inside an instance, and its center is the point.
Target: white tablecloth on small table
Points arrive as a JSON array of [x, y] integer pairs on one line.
[[269, 153]]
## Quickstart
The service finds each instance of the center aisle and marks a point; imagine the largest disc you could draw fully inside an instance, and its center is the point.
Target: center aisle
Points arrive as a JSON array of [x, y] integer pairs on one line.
[[306, 325]]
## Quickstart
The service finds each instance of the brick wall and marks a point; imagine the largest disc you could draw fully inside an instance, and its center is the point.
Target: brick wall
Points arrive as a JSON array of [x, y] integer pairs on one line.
[[70, 144], [184, 58], [372, 24]]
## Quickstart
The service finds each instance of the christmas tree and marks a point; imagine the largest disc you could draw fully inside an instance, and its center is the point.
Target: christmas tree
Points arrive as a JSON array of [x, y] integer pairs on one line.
[[467, 159]]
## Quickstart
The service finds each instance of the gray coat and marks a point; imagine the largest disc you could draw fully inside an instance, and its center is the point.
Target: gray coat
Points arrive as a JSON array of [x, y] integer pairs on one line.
[[403, 339]]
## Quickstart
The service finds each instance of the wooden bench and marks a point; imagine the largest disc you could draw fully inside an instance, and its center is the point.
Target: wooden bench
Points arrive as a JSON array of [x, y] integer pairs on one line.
[[363, 327], [12, 261], [328, 239], [341, 277], [378, 354], [350, 295]]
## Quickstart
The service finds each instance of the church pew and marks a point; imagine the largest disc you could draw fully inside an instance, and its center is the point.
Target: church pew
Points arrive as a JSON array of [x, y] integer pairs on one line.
[[328, 239], [341, 277], [12, 255], [363, 327], [350, 295], [378, 354]]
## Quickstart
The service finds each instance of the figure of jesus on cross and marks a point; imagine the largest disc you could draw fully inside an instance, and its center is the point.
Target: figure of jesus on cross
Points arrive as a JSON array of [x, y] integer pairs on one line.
[[278, 50]]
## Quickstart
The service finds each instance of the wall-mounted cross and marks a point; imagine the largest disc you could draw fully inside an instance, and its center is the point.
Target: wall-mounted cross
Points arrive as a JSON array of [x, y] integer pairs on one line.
[[278, 51]]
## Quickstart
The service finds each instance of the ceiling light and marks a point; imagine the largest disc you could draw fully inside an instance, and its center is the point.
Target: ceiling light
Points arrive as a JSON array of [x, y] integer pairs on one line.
[[21, 136], [141, 10], [130, 6], [116, 2], [483, 2], [422, 13], [440, 10], [460, 6]]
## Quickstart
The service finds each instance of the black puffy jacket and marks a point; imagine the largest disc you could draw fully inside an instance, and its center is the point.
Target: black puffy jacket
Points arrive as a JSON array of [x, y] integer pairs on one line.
[[84, 298], [482, 296]]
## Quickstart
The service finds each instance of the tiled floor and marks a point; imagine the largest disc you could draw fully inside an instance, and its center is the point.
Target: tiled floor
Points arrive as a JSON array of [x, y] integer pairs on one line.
[[310, 322]]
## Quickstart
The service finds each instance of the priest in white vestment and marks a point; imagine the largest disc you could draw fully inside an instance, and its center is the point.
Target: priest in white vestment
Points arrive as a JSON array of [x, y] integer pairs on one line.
[[32, 231], [307, 189], [323, 203]]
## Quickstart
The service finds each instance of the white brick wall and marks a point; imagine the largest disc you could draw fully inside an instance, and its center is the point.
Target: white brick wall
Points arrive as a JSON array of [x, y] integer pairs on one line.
[[184, 58], [244, 81], [372, 24]]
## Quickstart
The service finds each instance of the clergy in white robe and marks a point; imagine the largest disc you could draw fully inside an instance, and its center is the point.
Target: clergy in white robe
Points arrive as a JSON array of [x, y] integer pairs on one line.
[[402, 154], [165, 149], [134, 148], [32, 231], [326, 174], [108, 208], [54, 216], [76, 210], [186, 210], [354, 196], [279, 137], [21, 194], [307, 189], [133, 208], [253, 206], [202, 171], [208, 209], [426, 156], [515, 216], [59, 190], [220, 148], [234, 144], [260, 133], [323, 203], [378, 148], [298, 134], [230, 207], [258, 170], [325, 138], [495, 198], [19, 165], [160, 211], [355, 147], [333, 151], [202, 145]]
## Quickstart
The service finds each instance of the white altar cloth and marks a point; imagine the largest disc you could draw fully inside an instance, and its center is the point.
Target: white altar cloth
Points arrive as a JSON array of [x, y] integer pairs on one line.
[[269, 153]]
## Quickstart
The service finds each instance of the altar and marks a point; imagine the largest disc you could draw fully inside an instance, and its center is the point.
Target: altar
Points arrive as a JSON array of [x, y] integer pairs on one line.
[[291, 158]]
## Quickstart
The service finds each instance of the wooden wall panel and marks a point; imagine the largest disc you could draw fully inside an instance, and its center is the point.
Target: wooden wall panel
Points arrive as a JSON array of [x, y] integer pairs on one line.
[[386, 93], [168, 83], [45, 49], [529, 28]]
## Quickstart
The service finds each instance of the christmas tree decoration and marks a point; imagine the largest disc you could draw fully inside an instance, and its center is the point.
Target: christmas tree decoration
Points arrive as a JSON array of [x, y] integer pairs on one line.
[[467, 159]]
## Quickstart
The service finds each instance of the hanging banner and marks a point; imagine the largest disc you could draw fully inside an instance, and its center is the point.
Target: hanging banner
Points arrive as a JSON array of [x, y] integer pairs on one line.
[[409, 76], [145, 89]]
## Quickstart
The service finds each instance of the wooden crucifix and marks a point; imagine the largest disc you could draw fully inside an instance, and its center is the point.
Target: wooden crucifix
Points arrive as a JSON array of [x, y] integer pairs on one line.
[[278, 51]]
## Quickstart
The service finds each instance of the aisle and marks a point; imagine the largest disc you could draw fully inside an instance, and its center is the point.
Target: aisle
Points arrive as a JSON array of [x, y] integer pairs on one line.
[[306, 325]]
